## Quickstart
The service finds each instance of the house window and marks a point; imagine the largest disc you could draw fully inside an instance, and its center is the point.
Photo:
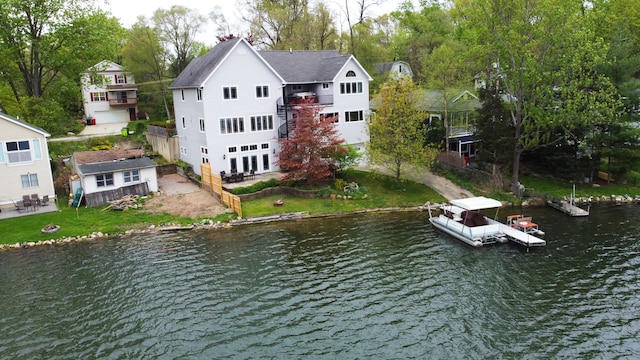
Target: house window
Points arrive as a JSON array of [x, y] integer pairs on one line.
[[351, 73], [262, 91], [132, 176], [351, 116], [121, 79], [204, 154], [98, 96], [244, 148], [259, 123], [253, 147], [18, 151], [351, 88], [230, 93], [201, 125], [325, 85], [264, 146], [184, 123], [103, 180], [330, 115], [182, 94], [297, 88], [232, 125], [233, 149], [199, 94], [29, 180]]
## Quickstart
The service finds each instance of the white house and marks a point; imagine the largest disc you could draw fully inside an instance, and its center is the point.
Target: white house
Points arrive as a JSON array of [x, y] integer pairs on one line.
[[234, 103], [25, 168], [395, 69], [109, 94], [107, 175]]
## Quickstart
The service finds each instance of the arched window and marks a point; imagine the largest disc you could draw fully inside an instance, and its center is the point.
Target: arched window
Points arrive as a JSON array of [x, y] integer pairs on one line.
[[351, 73]]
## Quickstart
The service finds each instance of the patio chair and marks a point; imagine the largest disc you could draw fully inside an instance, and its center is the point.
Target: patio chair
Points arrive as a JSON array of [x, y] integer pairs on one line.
[[35, 199], [252, 174], [27, 204], [19, 206], [45, 201]]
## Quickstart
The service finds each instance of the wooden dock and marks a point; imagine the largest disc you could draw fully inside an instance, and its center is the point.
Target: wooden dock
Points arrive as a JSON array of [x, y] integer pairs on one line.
[[567, 207]]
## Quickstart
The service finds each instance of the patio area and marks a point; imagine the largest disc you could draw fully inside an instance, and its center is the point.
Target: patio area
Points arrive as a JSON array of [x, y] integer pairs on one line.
[[248, 181], [11, 212]]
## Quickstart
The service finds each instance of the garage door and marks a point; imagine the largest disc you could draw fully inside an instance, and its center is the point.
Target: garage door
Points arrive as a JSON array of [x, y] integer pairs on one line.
[[113, 116]]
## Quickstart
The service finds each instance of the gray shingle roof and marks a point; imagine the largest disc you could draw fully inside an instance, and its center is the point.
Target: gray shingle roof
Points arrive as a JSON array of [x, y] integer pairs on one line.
[[304, 66], [112, 166], [200, 68]]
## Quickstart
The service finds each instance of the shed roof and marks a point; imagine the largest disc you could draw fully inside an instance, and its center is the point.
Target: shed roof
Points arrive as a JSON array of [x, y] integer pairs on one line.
[[89, 157], [117, 165]]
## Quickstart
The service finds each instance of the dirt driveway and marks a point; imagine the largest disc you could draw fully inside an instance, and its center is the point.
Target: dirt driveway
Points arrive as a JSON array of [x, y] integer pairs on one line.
[[179, 196]]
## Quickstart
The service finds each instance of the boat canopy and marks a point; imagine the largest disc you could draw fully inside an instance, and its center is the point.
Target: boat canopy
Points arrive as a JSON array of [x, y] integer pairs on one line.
[[476, 203]]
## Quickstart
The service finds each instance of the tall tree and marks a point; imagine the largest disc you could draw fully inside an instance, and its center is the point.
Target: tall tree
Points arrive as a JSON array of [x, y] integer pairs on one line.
[[177, 28], [274, 23], [147, 60], [534, 46], [396, 132], [310, 154]]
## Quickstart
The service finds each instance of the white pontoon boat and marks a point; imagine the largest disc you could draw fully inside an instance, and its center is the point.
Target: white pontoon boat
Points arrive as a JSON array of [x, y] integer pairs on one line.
[[461, 219]]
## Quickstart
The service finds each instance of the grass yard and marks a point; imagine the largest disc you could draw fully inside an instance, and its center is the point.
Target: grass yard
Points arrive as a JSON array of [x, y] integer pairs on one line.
[[382, 193]]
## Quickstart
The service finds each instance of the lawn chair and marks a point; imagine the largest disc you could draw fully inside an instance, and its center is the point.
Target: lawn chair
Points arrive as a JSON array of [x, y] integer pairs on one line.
[[19, 206], [252, 174], [35, 200], [45, 201]]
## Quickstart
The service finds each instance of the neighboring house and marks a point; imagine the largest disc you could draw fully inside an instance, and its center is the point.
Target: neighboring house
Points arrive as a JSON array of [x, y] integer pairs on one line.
[[395, 69], [109, 94], [107, 175], [461, 107], [234, 103], [25, 167]]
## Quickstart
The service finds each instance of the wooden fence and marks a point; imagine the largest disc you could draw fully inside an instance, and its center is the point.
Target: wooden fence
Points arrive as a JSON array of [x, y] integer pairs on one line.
[[103, 197], [213, 183]]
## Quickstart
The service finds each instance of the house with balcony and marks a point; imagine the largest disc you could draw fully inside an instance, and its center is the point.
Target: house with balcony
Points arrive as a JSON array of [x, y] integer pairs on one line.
[[109, 94], [460, 107], [25, 168], [233, 104]]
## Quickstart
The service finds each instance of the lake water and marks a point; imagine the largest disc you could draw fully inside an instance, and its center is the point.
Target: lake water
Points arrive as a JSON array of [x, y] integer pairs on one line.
[[368, 286]]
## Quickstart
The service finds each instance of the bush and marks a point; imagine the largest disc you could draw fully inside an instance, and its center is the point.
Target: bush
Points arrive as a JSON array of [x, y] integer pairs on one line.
[[339, 185], [260, 185]]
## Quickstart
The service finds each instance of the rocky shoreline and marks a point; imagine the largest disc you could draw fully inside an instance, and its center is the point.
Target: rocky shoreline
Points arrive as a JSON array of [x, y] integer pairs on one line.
[[210, 225]]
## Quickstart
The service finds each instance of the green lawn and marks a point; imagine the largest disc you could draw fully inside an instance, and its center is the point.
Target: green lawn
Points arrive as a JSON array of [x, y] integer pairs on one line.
[[382, 192], [555, 188], [84, 222]]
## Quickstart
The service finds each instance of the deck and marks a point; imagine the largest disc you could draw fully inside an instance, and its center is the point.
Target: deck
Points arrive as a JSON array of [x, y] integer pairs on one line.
[[567, 208]]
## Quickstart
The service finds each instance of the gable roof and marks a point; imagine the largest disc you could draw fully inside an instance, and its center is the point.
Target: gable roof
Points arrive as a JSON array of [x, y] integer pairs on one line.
[[433, 100], [385, 67], [99, 156], [303, 66], [24, 124], [106, 66], [201, 68]]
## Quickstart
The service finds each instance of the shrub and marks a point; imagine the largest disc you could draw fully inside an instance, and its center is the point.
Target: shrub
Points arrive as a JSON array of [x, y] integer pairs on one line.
[[260, 185], [339, 185]]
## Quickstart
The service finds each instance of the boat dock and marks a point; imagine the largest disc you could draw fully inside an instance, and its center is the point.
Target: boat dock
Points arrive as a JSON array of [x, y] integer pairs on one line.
[[567, 208]]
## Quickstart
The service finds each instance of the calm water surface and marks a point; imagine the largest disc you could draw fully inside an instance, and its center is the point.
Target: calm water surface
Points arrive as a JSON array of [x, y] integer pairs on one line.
[[367, 286]]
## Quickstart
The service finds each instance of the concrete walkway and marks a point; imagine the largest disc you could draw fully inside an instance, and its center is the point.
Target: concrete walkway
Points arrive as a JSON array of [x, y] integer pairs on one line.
[[440, 184], [95, 131]]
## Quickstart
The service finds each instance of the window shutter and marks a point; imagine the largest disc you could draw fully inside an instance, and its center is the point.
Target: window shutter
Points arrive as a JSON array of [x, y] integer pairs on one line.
[[125, 79], [91, 96], [1, 153], [115, 79], [106, 96]]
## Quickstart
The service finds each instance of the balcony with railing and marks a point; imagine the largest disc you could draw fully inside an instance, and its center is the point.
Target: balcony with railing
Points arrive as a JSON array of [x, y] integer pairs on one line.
[[128, 101], [122, 87]]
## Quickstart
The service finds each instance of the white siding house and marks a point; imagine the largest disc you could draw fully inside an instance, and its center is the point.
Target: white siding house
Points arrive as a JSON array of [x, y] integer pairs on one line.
[[234, 103], [25, 168], [109, 94]]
